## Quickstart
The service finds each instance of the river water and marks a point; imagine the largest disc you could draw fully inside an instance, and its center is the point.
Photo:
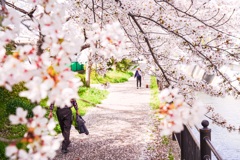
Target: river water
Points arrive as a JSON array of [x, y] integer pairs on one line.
[[226, 143]]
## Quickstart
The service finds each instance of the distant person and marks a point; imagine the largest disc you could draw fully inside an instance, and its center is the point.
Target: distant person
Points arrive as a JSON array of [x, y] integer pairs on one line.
[[65, 118], [138, 75]]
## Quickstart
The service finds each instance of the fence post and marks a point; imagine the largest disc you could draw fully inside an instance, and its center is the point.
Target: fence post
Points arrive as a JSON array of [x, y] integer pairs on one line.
[[205, 132], [183, 140], [173, 137]]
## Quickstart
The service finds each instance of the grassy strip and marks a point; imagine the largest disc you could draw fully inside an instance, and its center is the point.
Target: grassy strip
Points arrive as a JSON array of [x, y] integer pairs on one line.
[[93, 95], [110, 76], [154, 101], [166, 142]]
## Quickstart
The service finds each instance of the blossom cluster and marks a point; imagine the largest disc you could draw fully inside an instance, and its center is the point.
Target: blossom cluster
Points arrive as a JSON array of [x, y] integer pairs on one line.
[[38, 142], [43, 67], [107, 41], [174, 112]]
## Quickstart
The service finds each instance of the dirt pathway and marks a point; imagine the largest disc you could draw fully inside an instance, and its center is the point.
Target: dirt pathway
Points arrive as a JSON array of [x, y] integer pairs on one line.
[[120, 127]]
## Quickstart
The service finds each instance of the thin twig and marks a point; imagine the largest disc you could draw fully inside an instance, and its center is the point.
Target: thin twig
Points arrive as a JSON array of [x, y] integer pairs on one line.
[[9, 140], [88, 102]]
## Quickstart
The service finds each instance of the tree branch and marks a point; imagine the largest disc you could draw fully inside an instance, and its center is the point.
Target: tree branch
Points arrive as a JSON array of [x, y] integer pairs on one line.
[[94, 16], [149, 46], [189, 15], [85, 47], [9, 140], [30, 14], [3, 9]]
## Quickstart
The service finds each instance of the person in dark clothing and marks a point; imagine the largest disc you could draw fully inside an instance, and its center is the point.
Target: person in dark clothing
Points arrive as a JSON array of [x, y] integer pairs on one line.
[[138, 75], [65, 118]]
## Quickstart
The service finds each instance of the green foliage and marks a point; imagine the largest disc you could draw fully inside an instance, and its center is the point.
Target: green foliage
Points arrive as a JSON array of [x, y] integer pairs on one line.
[[165, 140], [10, 47], [9, 101], [170, 155], [154, 101], [2, 151], [111, 63], [134, 67], [1, 19], [12, 105], [82, 78], [124, 65], [57, 129]]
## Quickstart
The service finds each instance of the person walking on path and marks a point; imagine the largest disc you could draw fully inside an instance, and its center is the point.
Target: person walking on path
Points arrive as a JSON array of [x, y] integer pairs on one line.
[[138, 75], [65, 118]]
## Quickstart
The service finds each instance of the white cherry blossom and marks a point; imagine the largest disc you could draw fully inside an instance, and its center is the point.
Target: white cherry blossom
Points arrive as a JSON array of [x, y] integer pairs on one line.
[[11, 151], [20, 117], [39, 112]]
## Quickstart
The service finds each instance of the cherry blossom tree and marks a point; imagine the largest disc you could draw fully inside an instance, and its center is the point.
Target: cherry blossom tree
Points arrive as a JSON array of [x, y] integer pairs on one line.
[[175, 34], [170, 34]]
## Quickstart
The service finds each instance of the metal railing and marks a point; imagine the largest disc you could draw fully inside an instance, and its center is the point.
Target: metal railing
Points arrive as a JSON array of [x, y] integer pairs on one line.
[[190, 147]]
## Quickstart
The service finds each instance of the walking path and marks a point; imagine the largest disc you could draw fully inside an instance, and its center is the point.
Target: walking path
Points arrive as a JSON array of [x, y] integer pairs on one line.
[[120, 128]]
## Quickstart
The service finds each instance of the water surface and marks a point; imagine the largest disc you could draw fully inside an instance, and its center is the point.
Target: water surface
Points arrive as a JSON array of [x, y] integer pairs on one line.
[[227, 143]]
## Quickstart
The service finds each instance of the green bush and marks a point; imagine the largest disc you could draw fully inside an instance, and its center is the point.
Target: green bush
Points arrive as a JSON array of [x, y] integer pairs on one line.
[[2, 150], [9, 101], [12, 105], [124, 65]]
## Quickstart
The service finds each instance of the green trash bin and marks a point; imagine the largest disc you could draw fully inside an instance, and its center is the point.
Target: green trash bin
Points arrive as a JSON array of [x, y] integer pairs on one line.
[[75, 66], [81, 67]]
